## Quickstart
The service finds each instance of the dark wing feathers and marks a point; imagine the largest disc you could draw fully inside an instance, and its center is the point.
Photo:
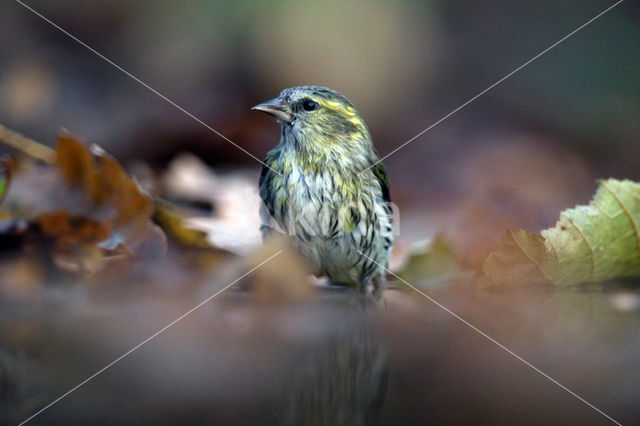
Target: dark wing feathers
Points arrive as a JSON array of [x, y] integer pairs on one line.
[[265, 177], [381, 175]]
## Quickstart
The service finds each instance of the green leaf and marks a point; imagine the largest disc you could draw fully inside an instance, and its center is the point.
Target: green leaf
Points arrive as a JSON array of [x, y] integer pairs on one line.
[[171, 221], [6, 172], [431, 263], [589, 243]]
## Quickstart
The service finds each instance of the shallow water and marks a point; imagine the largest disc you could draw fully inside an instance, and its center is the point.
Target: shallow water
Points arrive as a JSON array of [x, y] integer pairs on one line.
[[331, 359]]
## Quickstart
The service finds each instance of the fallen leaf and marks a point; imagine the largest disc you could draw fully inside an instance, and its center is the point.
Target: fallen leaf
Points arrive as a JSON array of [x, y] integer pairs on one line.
[[515, 260], [234, 224], [429, 260], [589, 243], [173, 223], [74, 240], [79, 207], [98, 187], [6, 172], [284, 277]]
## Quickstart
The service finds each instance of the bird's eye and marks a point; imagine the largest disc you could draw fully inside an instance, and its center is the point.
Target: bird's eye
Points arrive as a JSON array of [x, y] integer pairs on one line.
[[309, 105]]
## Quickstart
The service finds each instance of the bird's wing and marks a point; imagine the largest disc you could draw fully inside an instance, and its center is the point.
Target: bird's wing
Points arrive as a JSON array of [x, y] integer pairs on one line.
[[263, 185], [381, 175], [267, 196]]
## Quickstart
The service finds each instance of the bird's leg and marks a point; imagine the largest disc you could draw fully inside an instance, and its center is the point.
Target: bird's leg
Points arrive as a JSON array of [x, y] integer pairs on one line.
[[378, 284]]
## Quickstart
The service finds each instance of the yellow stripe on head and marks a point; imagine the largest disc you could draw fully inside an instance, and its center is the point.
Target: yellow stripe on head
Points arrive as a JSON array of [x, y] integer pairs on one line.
[[344, 109]]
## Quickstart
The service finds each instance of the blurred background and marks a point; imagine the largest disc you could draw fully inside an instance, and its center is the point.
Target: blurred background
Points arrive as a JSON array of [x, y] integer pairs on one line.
[[515, 157]]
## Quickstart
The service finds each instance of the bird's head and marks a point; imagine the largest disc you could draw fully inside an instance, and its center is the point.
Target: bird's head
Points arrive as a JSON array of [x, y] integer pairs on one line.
[[318, 119]]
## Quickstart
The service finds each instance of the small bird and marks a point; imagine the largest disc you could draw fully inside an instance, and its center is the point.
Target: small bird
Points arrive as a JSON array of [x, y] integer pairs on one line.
[[324, 186]]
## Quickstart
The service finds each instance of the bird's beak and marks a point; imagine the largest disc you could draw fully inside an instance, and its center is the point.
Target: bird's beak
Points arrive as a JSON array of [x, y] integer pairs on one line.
[[277, 108]]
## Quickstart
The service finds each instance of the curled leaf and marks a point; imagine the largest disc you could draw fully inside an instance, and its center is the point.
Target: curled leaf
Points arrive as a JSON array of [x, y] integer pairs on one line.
[[595, 242], [517, 259], [101, 189], [73, 240]]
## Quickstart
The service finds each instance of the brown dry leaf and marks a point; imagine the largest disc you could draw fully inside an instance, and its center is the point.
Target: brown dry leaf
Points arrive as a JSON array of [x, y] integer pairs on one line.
[[74, 240], [77, 207], [68, 241], [105, 192], [511, 262], [63, 225], [284, 277]]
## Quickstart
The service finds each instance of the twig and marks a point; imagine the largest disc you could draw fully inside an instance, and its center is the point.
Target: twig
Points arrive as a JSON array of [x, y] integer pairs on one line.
[[28, 146]]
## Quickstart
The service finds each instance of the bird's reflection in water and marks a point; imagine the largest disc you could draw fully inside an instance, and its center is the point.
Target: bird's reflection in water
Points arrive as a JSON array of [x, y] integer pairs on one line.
[[341, 378]]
